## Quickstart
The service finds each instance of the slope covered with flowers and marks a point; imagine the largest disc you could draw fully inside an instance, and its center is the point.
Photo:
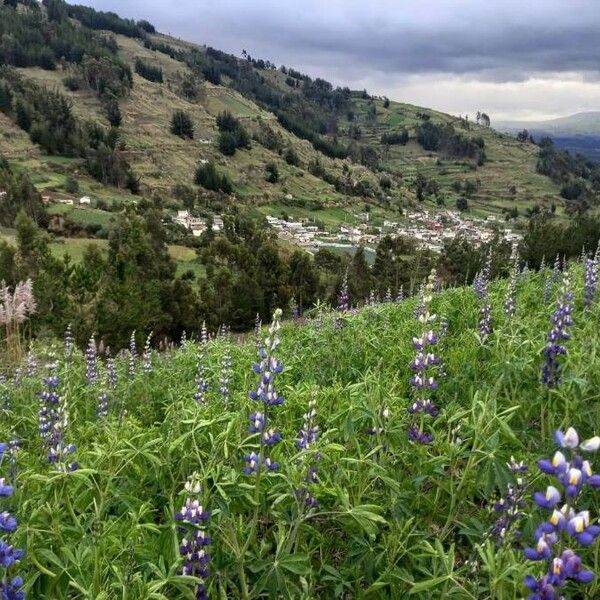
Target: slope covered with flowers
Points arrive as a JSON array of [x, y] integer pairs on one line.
[[356, 458]]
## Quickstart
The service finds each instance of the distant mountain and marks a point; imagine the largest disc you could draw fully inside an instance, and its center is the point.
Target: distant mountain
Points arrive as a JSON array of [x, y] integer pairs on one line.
[[578, 133], [583, 123]]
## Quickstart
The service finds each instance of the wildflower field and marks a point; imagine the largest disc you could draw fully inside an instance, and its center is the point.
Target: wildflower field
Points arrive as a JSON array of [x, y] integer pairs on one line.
[[367, 454]]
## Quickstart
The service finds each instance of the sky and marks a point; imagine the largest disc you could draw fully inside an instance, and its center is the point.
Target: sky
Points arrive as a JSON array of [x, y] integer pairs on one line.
[[525, 59]]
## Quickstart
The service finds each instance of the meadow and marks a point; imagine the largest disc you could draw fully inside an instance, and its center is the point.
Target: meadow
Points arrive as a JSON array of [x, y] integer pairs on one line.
[[338, 500]]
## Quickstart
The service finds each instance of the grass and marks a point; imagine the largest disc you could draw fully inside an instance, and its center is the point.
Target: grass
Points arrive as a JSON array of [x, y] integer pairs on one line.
[[394, 520]]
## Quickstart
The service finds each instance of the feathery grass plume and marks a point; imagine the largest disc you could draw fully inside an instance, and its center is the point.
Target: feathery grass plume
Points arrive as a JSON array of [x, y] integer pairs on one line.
[[10, 587], [69, 343], [132, 356], [91, 361], [568, 524], [591, 281], [266, 394], [53, 423], [424, 367], [193, 521], [308, 436], [559, 333], [147, 355], [16, 307]]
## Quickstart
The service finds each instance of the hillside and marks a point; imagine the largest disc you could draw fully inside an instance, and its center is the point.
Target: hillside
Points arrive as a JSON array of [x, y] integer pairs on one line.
[[354, 509], [252, 94], [578, 133]]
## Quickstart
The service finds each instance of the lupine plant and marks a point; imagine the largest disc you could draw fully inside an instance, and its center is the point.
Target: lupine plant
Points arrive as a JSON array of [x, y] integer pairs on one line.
[[424, 368], [266, 396], [10, 585], [147, 355], [511, 290], [591, 281], [569, 524], [53, 424], [91, 362], [559, 333], [307, 438], [193, 521], [481, 287], [132, 356]]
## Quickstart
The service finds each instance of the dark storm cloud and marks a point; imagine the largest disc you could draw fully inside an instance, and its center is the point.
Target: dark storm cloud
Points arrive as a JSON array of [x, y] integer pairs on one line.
[[498, 41]]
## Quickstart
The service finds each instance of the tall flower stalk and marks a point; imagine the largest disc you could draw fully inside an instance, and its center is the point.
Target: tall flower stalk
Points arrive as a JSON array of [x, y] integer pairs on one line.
[[147, 355], [193, 521], [226, 372], [10, 587], [567, 524], [53, 424], [132, 356], [91, 362], [266, 397], [481, 287], [511, 292], [307, 438], [425, 367], [558, 334], [591, 281]]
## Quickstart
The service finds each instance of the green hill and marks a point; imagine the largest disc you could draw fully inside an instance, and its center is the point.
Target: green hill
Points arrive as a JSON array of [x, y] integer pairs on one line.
[[335, 134]]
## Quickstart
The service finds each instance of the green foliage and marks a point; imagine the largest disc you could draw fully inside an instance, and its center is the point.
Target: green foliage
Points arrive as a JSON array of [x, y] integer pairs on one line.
[[395, 520], [271, 172], [209, 178], [181, 125], [18, 193], [148, 71], [232, 134]]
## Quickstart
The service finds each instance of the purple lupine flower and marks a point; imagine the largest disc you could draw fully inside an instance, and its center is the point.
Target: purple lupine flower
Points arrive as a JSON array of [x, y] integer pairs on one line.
[[559, 333], [9, 589], [266, 393], [400, 294], [53, 424], [511, 291], [372, 301], [591, 281], [204, 334], [91, 365], [565, 525], [294, 309], [182, 341], [5, 394], [318, 322], [552, 279], [201, 382], [193, 520], [425, 367], [147, 356], [481, 287], [308, 436], [419, 308], [102, 405], [17, 377], [132, 356], [32, 365], [388, 295], [343, 299], [510, 507], [69, 343], [226, 372]]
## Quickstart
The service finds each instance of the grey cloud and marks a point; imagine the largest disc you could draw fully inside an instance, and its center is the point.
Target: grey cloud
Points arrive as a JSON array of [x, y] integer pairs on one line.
[[386, 43]]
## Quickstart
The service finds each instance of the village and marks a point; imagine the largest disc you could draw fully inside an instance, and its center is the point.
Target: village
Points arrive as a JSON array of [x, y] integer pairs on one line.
[[429, 229]]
